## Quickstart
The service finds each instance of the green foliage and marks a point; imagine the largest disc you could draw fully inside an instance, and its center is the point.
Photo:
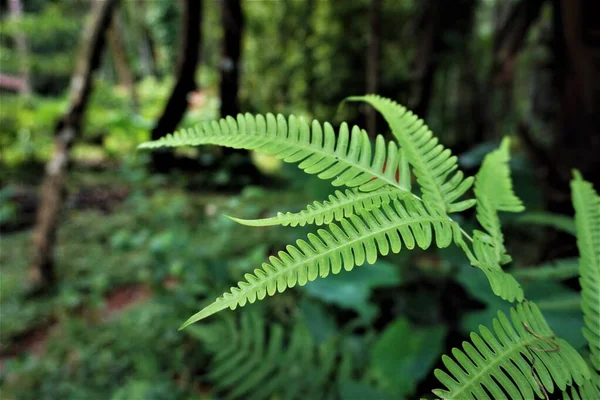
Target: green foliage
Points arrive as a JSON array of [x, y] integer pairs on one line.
[[519, 358], [380, 216], [407, 351], [256, 360]]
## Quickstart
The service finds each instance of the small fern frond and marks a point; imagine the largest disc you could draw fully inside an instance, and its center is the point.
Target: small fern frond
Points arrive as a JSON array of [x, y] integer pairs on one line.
[[587, 220], [255, 360], [339, 206], [557, 221], [348, 159], [557, 270], [434, 166], [494, 193], [514, 362], [356, 240]]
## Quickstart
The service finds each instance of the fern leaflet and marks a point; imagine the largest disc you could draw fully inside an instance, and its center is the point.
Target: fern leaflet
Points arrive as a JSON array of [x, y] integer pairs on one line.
[[339, 206], [357, 240], [432, 163], [494, 192], [521, 358], [348, 159]]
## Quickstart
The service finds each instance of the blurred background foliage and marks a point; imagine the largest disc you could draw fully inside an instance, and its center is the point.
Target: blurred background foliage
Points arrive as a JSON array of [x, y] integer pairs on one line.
[[137, 251]]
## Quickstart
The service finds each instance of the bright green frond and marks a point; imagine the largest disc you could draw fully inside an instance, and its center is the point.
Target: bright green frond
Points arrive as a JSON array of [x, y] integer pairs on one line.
[[356, 240], [347, 158], [256, 360], [587, 220], [434, 166], [517, 360], [339, 206]]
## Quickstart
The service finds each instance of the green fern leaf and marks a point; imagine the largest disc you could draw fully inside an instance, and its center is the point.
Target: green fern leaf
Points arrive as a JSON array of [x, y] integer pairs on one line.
[[348, 159], [339, 206], [357, 240], [433, 165], [587, 220], [514, 362]]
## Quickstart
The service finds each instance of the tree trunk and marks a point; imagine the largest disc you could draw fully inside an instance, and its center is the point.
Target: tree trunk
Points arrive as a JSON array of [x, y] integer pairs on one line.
[[119, 56], [16, 11], [373, 49], [42, 271], [189, 51], [232, 20], [576, 141], [426, 60]]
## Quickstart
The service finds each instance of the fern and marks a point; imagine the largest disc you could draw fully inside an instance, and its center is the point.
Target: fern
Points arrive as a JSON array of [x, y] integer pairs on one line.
[[557, 270], [348, 159], [357, 240], [587, 220], [253, 360], [338, 207], [517, 360], [433, 165]]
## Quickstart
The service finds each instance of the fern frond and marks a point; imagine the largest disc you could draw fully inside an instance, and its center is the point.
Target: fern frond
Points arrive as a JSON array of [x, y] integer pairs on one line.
[[339, 206], [358, 239], [587, 220], [517, 360], [255, 361], [348, 159], [434, 166], [557, 270], [557, 221], [494, 193]]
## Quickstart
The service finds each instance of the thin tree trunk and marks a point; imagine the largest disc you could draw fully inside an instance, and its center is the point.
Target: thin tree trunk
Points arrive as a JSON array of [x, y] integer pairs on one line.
[[426, 60], [119, 56], [16, 11], [576, 141], [373, 49], [67, 129], [232, 20], [177, 104]]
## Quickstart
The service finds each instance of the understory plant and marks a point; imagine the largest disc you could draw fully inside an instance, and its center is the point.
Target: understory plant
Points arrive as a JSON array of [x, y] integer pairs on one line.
[[381, 212]]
